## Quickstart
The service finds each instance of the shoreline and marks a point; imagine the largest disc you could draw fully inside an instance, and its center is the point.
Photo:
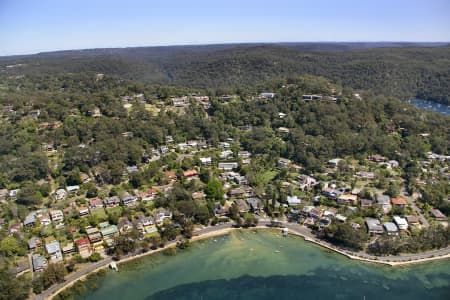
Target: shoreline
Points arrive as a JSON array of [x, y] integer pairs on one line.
[[223, 231]]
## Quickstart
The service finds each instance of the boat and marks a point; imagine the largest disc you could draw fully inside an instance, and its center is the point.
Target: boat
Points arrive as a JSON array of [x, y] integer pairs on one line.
[[285, 231], [113, 266]]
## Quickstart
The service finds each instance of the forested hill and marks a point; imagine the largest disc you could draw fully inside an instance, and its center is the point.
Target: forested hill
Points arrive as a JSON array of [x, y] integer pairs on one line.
[[402, 70]]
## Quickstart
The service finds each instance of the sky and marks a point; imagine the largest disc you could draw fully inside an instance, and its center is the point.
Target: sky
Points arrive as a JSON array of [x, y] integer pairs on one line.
[[31, 26]]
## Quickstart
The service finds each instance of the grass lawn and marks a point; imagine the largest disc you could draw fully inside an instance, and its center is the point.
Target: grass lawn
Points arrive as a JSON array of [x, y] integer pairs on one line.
[[100, 214], [266, 176], [114, 210]]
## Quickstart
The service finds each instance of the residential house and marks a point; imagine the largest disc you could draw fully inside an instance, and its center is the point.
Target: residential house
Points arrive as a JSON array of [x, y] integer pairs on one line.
[[56, 215], [161, 215], [399, 202], [226, 154], [124, 225], [284, 162], [438, 215], [365, 175], [15, 228], [39, 262], [95, 203], [149, 195], [267, 95], [240, 180], [108, 233], [146, 225], [60, 194], [111, 201], [170, 176], [54, 250], [391, 228], [401, 222], [68, 249], [129, 201], [131, 169], [244, 154], [293, 200], [241, 205], [206, 161], [30, 220], [34, 243], [384, 202], [44, 219], [377, 158], [83, 211], [255, 204], [412, 220], [333, 163], [84, 247], [340, 218], [94, 234], [72, 189], [13, 194], [374, 226], [306, 182], [228, 166], [283, 130], [331, 193], [366, 203], [190, 173], [347, 199]]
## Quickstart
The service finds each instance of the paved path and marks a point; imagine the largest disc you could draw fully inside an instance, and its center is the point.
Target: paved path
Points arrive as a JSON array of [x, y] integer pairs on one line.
[[294, 227]]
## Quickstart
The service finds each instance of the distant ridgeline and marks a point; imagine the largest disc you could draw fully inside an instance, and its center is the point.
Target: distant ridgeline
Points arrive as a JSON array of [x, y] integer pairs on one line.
[[393, 69]]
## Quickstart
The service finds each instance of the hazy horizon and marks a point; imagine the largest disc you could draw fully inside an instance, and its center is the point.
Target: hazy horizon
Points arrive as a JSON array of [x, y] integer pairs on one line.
[[28, 27]]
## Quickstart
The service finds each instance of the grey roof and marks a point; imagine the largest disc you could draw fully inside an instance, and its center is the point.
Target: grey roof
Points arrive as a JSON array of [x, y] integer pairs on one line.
[[32, 243], [390, 227], [30, 219], [53, 247], [39, 262]]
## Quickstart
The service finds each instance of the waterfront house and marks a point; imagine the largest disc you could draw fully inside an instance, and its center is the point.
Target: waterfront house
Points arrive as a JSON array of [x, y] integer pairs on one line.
[[83, 247], [146, 225], [374, 226]]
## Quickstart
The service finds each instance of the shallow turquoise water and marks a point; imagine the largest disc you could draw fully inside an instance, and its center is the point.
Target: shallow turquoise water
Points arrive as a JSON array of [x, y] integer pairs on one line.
[[264, 265]]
